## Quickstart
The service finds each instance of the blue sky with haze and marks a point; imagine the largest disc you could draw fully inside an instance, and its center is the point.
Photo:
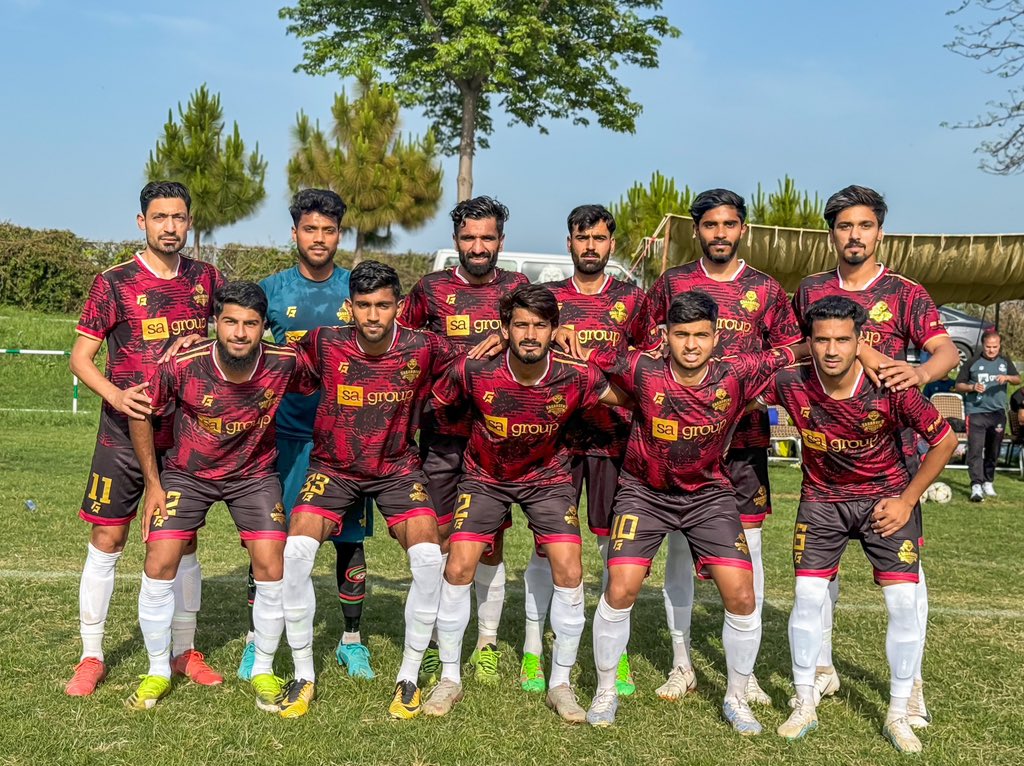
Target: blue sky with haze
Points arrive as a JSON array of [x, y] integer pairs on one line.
[[830, 93]]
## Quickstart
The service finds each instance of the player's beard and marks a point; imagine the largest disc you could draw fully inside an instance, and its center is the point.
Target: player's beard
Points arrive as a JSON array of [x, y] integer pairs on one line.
[[856, 259], [529, 355], [477, 269], [719, 258], [166, 247], [589, 267], [237, 363], [318, 260]]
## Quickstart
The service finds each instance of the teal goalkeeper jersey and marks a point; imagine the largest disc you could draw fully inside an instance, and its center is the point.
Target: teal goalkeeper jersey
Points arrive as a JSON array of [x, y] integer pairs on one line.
[[297, 305]]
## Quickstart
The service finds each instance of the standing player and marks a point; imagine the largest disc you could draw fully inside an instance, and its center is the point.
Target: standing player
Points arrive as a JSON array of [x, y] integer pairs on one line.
[[983, 381], [754, 315], [520, 402], [856, 486], [461, 304], [674, 480], [225, 393], [138, 307], [596, 312], [373, 378], [312, 294], [900, 313]]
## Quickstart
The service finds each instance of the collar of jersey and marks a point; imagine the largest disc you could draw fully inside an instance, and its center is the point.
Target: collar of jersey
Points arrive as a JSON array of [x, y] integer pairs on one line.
[[857, 384], [458, 276], [143, 264], [394, 340], [216, 364], [733, 278], [604, 286], [881, 271]]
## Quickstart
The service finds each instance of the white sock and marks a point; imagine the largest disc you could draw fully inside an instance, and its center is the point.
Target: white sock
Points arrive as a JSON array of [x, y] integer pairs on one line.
[[452, 621], [268, 618], [741, 638], [754, 546], [300, 602], [156, 609], [567, 620], [490, 598], [444, 563], [805, 628], [678, 593], [420, 606], [922, 617], [188, 595], [538, 588], [611, 637], [828, 609], [94, 592], [602, 547], [903, 637]]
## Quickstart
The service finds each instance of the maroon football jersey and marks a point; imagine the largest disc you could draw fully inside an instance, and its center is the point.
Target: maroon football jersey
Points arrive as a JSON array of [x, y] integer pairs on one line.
[[517, 431], [851, 447], [223, 430], [139, 315], [446, 303], [754, 314], [900, 311], [370, 406], [605, 321], [680, 433]]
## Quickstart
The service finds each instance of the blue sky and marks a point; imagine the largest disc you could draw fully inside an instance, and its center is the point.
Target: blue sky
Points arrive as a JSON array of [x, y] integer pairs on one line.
[[830, 93]]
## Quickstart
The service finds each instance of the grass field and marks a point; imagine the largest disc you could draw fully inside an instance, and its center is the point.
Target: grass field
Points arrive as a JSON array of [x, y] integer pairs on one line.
[[973, 668]]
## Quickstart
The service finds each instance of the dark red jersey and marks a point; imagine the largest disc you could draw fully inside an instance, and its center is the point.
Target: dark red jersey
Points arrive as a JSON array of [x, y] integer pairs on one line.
[[139, 315], [445, 303], [754, 314], [370, 406], [223, 430], [605, 321], [851, 447], [680, 433], [900, 311], [517, 431]]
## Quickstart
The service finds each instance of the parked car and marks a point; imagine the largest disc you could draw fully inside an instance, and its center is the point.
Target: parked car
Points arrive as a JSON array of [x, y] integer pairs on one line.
[[538, 267], [964, 330]]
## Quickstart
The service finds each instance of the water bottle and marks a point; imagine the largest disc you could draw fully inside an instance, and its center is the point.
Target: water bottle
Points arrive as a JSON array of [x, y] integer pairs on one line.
[[30, 505]]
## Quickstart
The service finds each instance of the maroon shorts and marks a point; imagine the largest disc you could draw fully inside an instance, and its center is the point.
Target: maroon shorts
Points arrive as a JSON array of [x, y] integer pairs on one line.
[[707, 518], [601, 475], [823, 530], [254, 504], [483, 509], [748, 469], [114, 487], [442, 463], [399, 498]]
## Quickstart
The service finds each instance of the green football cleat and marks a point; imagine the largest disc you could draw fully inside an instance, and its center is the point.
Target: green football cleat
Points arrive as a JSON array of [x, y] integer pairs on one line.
[[430, 667], [150, 690], [269, 692], [485, 661], [624, 684], [531, 674]]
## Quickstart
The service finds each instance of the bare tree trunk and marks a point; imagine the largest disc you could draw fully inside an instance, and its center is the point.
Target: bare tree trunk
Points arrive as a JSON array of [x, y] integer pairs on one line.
[[467, 140], [195, 244], [357, 255]]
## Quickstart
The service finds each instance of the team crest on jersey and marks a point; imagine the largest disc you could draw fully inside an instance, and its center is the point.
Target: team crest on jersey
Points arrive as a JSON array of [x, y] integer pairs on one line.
[[141, 300], [419, 494], [267, 400], [873, 423], [556, 406], [411, 372], [618, 312], [343, 368], [208, 400], [572, 516], [291, 311], [880, 312], [211, 425], [907, 553], [659, 398], [450, 299], [344, 314], [761, 497], [741, 544], [722, 401], [294, 336], [488, 396], [200, 296], [805, 412], [278, 513], [750, 302]]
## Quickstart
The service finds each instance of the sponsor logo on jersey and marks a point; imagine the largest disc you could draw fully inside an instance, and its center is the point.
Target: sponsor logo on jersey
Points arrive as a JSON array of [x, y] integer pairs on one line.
[[741, 544], [355, 396], [572, 516], [211, 425], [880, 312], [873, 423], [659, 398], [294, 336], [290, 312], [871, 337], [907, 554], [450, 299], [705, 429], [350, 396], [344, 314], [419, 494], [411, 372], [208, 400], [735, 325], [199, 296], [750, 302], [601, 336], [722, 401], [556, 406], [233, 427], [488, 396], [483, 325], [935, 425], [155, 329], [141, 300], [268, 399], [343, 368], [497, 426], [618, 312], [666, 430], [457, 325], [815, 440], [805, 412]]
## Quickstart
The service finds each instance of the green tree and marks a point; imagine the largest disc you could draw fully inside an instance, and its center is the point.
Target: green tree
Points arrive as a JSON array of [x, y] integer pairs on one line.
[[638, 213], [386, 180], [455, 58], [786, 207], [226, 184]]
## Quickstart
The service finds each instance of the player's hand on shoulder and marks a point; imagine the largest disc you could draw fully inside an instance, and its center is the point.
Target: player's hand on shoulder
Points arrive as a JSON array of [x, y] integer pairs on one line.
[[133, 401], [183, 342], [154, 503], [489, 347], [900, 375], [568, 341], [872, 362], [891, 514]]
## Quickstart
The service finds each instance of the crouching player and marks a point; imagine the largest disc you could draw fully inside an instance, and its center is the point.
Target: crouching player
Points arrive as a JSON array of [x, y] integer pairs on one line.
[[855, 487], [226, 392], [673, 480], [373, 378]]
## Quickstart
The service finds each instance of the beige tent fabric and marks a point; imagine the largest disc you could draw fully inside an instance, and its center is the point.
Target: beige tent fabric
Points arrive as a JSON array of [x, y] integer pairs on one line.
[[954, 268]]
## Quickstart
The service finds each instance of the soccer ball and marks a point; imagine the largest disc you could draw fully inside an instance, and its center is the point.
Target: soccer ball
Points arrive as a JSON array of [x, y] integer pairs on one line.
[[939, 492]]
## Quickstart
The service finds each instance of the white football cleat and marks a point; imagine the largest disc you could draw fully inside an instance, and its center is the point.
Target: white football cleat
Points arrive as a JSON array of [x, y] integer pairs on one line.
[[754, 694], [902, 737], [917, 713], [801, 722], [680, 682]]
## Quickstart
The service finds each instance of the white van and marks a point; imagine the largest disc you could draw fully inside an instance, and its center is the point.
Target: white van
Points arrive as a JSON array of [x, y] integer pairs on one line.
[[538, 267]]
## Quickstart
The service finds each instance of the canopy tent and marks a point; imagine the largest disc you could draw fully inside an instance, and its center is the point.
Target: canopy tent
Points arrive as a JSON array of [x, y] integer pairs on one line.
[[954, 268]]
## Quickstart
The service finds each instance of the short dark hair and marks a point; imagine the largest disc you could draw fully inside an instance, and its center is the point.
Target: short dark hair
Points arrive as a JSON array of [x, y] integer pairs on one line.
[[712, 198], [835, 307], [534, 298], [852, 196], [478, 209], [990, 334], [164, 190], [693, 306], [322, 201], [248, 295], [371, 276], [588, 216]]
